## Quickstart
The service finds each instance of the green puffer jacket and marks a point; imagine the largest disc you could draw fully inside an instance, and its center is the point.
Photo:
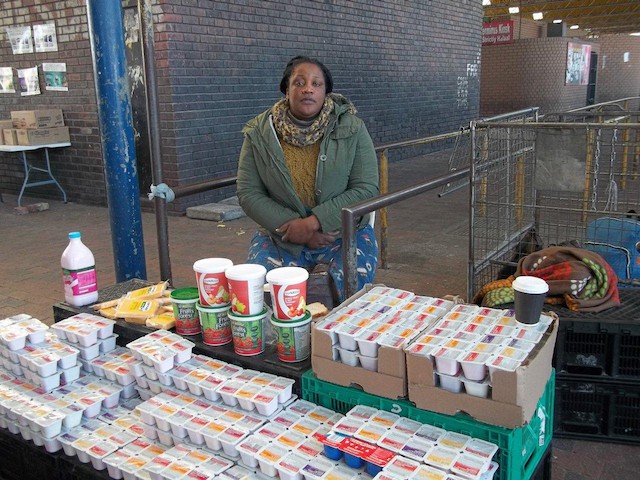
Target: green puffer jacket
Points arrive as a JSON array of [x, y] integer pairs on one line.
[[347, 173]]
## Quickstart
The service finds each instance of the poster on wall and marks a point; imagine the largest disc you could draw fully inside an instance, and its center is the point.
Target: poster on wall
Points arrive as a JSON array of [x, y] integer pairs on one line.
[[55, 77], [578, 63], [20, 38], [44, 37], [29, 82], [6, 80]]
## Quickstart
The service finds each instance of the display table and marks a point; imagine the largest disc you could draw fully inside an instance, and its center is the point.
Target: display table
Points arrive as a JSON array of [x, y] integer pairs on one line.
[[265, 362], [28, 167]]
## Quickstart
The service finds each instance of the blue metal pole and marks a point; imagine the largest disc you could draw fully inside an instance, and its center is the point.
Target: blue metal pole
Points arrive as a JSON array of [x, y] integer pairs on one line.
[[116, 131]]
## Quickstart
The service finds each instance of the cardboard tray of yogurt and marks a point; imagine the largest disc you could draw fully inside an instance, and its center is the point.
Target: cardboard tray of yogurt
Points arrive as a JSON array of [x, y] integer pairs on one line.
[[389, 381], [514, 397]]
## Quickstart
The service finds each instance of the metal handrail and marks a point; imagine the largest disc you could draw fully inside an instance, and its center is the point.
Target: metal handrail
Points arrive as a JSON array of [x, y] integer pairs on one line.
[[349, 214]]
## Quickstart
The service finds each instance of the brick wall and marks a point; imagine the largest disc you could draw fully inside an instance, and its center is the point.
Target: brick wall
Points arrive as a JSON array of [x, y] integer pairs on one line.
[[531, 72], [528, 73], [411, 68], [617, 78], [79, 167]]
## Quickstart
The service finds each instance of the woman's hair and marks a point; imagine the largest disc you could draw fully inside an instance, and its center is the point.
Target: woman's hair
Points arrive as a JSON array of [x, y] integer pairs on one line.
[[294, 62]]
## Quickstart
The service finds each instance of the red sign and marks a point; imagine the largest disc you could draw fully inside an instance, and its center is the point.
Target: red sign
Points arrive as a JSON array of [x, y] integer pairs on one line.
[[497, 33]]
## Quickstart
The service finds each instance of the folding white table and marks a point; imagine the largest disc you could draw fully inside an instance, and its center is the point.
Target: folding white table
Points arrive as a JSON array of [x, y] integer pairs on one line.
[[28, 167]]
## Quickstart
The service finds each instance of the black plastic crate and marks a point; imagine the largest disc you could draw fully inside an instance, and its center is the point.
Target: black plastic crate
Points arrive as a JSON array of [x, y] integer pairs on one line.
[[607, 349], [603, 344], [597, 410]]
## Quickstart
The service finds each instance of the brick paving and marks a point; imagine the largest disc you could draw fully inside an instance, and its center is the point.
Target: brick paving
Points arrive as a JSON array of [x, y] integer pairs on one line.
[[427, 254]]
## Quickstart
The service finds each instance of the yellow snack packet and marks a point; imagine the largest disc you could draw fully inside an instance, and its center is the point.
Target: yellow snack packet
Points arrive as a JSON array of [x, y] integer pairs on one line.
[[129, 308], [164, 321], [148, 293]]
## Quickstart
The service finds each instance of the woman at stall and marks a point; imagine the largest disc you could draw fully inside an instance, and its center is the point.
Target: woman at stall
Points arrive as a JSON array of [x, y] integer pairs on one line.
[[301, 162]]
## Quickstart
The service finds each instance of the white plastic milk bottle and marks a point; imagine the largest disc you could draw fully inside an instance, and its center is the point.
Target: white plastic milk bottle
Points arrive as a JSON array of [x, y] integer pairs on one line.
[[79, 273]]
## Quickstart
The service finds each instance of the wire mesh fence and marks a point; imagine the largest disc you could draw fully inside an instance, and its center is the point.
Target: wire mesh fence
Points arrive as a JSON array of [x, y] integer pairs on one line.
[[570, 179]]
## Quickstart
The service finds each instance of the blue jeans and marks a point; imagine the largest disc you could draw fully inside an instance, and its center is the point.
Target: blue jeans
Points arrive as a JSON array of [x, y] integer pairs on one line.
[[264, 252]]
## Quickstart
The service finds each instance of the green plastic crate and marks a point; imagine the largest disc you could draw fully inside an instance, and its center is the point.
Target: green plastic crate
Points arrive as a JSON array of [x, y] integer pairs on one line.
[[521, 449]]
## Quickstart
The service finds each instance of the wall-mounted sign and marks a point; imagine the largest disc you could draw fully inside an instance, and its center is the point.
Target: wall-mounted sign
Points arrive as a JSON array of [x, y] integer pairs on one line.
[[578, 62], [497, 33]]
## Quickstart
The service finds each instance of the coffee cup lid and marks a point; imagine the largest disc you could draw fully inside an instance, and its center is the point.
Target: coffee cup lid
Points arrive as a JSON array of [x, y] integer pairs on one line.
[[529, 284]]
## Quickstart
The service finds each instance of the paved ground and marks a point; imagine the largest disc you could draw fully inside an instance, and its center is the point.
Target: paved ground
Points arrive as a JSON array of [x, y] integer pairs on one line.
[[427, 254]]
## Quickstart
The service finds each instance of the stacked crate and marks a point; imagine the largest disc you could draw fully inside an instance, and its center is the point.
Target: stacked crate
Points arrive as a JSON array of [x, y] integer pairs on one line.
[[597, 359]]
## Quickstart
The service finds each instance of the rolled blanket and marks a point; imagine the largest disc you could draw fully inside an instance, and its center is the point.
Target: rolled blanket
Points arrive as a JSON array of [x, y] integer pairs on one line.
[[578, 278]]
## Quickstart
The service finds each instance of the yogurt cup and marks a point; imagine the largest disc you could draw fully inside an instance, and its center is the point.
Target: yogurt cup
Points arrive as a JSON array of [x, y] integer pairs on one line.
[[450, 383], [248, 332], [503, 363], [248, 448], [442, 457], [230, 439], [99, 451], [474, 365], [293, 338], [425, 472], [289, 466], [269, 456], [245, 396], [246, 287], [447, 361], [216, 328], [317, 468], [288, 286], [184, 302], [402, 466], [212, 282], [416, 449], [266, 401], [368, 363], [469, 466], [368, 342], [477, 388], [348, 357]]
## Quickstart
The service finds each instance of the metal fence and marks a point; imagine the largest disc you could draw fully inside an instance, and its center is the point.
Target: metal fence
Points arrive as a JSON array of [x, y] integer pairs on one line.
[[571, 178]]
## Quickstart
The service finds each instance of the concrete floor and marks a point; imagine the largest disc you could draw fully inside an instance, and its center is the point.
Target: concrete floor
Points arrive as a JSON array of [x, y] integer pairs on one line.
[[427, 252]]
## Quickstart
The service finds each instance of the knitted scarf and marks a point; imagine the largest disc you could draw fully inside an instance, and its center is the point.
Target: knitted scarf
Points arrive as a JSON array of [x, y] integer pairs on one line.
[[302, 136]]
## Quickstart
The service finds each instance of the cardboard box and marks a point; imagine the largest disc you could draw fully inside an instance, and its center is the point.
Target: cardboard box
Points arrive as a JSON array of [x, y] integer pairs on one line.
[[4, 124], [42, 136], [37, 118], [389, 381], [9, 136], [514, 394]]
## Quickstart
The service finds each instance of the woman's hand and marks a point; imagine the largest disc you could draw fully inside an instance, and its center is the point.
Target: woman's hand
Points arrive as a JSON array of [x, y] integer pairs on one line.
[[320, 240], [300, 230]]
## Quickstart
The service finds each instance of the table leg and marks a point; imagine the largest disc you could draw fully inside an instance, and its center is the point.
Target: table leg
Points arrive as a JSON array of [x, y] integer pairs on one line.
[[64, 194], [26, 178], [27, 170]]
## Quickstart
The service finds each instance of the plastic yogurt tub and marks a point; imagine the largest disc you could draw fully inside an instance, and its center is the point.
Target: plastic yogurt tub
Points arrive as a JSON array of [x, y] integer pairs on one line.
[[288, 287], [248, 332], [246, 287], [212, 282], [290, 465], [269, 456], [477, 388], [474, 365], [216, 328], [450, 383], [248, 448], [184, 310], [293, 342], [447, 361]]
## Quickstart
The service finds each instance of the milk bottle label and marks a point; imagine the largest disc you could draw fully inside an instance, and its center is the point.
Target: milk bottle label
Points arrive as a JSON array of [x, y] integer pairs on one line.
[[80, 281]]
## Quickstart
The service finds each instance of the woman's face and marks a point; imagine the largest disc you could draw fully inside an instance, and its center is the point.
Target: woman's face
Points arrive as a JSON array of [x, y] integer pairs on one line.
[[306, 91]]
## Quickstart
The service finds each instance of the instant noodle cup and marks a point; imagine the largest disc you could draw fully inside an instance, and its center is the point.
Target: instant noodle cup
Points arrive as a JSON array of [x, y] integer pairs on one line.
[[212, 282], [248, 332], [246, 288], [184, 310], [216, 328], [288, 286], [293, 338]]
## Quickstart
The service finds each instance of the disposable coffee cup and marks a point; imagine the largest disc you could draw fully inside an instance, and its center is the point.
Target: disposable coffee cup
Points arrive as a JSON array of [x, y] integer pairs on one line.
[[530, 293]]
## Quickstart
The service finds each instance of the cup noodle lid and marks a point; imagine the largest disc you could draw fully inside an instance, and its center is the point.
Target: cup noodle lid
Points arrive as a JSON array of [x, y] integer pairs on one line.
[[531, 285]]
